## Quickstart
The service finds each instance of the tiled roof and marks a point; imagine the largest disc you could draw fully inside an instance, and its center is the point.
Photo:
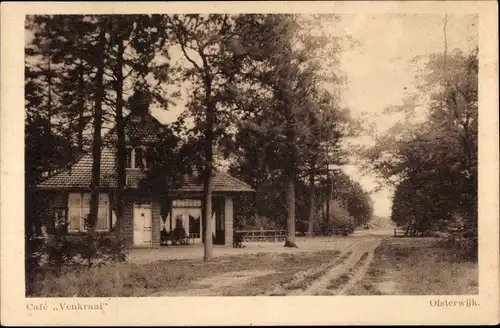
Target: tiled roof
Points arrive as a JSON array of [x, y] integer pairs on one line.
[[221, 181], [79, 174], [145, 130]]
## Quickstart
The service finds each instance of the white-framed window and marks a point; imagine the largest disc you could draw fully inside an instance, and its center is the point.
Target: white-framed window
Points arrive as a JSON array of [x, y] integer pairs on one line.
[[79, 208], [136, 158]]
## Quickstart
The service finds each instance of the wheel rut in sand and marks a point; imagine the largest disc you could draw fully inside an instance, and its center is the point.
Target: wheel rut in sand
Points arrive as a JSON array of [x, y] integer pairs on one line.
[[304, 278], [359, 273], [344, 274], [334, 277]]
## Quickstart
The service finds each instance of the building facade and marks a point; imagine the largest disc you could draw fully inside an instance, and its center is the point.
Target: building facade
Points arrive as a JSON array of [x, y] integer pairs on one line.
[[66, 195]]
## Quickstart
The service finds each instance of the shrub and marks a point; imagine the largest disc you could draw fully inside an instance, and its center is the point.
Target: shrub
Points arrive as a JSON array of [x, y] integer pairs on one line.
[[35, 257], [60, 253], [112, 249], [340, 219], [464, 243]]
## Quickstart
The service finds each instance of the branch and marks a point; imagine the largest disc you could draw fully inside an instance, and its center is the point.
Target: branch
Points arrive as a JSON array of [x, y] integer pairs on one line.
[[126, 76], [182, 43], [203, 57]]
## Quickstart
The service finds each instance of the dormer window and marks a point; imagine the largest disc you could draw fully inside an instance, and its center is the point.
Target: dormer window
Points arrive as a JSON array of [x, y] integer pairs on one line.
[[136, 157]]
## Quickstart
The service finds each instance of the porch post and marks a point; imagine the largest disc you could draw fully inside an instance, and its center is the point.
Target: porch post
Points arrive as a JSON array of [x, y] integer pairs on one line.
[[228, 221]]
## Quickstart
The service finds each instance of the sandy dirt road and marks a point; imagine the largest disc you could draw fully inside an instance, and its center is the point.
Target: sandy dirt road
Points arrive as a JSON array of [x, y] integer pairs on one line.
[[333, 277], [345, 270]]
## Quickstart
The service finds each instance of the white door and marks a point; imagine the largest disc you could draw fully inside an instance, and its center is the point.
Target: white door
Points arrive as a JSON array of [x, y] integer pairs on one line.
[[142, 225]]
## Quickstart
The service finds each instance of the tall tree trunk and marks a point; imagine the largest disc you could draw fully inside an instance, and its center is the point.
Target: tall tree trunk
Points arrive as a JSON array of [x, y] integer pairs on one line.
[[121, 158], [207, 180], [290, 187], [46, 221], [81, 111], [290, 204], [312, 202], [48, 129], [328, 198], [321, 206], [96, 147], [203, 214]]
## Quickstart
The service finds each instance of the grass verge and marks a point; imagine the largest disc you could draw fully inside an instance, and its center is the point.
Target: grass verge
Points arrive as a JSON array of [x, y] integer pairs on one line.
[[407, 266], [124, 280]]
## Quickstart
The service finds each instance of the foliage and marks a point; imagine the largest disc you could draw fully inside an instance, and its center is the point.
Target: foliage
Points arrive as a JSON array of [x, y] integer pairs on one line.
[[34, 257], [267, 208], [434, 163], [338, 218], [357, 201], [294, 116], [237, 89], [169, 160], [78, 71], [60, 254]]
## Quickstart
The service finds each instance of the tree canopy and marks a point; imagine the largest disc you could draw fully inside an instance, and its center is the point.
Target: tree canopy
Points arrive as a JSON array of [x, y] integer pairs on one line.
[[434, 163]]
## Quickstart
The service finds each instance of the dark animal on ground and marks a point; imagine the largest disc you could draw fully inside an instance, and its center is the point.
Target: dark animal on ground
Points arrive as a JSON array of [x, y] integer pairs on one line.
[[238, 240]]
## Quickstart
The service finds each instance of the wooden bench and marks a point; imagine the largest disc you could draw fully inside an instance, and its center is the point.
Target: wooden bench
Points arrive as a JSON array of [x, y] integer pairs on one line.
[[263, 235]]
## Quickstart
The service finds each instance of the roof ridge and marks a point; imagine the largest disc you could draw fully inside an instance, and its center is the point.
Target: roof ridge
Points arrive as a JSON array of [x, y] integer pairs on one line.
[[113, 129]]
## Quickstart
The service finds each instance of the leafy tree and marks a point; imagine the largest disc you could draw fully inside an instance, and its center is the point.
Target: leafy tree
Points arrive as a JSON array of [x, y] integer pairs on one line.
[[56, 70], [208, 45], [434, 164], [290, 81], [71, 55], [338, 218], [134, 42], [345, 193], [96, 141], [65, 86], [170, 160]]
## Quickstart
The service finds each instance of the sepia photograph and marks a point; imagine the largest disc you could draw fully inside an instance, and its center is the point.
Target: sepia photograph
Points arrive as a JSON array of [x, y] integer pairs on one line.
[[242, 154]]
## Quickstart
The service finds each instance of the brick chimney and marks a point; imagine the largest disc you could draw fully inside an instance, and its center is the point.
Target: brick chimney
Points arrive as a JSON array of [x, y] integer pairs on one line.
[[139, 104]]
